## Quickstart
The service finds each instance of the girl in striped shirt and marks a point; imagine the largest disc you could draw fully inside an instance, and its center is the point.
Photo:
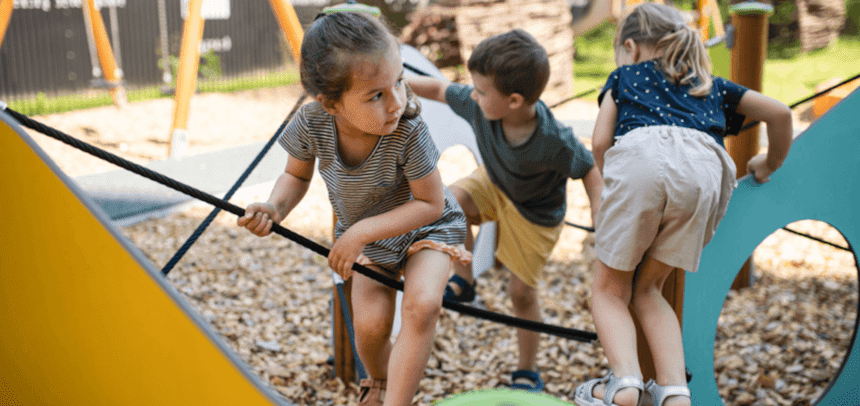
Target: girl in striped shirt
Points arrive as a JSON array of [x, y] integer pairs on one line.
[[393, 212]]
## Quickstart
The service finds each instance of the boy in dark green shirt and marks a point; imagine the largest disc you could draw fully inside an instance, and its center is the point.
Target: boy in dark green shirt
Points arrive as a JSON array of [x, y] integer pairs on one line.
[[528, 157]]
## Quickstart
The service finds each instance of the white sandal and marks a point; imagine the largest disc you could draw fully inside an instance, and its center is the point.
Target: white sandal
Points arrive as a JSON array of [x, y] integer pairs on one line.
[[660, 393], [584, 393]]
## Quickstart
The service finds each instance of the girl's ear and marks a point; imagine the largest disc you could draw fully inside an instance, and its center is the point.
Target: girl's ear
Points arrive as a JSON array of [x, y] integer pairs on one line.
[[327, 104], [632, 49]]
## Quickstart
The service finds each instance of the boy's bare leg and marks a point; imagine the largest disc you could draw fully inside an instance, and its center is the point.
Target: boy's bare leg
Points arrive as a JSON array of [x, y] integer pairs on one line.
[[611, 292], [373, 323], [526, 305], [660, 326], [473, 217], [426, 275]]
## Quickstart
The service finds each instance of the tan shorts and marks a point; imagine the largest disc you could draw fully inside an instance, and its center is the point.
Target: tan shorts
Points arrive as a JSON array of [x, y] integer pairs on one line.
[[524, 247], [665, 190]]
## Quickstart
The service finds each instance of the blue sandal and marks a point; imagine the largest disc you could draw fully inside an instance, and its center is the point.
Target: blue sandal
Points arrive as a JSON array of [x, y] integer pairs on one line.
[[534, 376], [467, 290]]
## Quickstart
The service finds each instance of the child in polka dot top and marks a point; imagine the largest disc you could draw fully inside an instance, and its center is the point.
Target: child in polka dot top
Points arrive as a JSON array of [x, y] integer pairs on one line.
[[658, 143]]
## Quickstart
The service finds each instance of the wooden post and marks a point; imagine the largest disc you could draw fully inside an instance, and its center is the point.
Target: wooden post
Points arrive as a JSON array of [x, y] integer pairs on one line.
[[6, 7], [344, 358], [290, 25], [673, 291], [111, 71], [748, 54], [186, 78]]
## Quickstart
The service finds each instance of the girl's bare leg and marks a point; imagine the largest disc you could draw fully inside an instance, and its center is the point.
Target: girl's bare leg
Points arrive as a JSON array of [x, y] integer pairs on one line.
[[373, 318], [611, 292], [660, 326], [426, 274]]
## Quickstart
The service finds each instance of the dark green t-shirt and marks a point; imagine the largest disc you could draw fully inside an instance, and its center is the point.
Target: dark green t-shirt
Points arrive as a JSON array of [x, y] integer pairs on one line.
[[533, 175]]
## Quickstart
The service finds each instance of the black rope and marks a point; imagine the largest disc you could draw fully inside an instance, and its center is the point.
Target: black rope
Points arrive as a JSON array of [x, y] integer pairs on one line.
[[591, 229], [579, 335], [848, 248], [344, 307], [806, 99], [211, 217]]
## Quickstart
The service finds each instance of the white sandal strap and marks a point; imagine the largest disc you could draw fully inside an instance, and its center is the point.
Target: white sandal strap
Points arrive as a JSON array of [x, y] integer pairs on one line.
[[615, 384], [660, 393]]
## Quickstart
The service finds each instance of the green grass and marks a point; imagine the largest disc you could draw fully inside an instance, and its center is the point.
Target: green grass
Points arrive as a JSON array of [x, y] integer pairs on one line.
[[787, 79], [50, 105]]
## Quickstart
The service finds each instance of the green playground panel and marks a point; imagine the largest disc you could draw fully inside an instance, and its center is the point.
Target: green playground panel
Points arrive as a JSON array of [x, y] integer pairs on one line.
[[820, 180]]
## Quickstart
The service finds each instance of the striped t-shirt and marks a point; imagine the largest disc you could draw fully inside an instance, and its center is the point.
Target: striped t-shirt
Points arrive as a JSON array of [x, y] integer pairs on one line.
[[378, 184]]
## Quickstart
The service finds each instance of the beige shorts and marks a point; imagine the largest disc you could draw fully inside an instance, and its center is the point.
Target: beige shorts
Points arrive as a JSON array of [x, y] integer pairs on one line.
[[524, 247], [665, 190]]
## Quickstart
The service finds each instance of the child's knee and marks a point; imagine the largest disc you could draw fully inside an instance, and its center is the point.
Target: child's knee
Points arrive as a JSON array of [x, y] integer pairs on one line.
[[523, 296], [470, 209], [372, 321], [421, 312]]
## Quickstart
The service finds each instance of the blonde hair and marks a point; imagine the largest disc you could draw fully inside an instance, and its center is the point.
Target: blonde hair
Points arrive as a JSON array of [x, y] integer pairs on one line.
[[684, 58]]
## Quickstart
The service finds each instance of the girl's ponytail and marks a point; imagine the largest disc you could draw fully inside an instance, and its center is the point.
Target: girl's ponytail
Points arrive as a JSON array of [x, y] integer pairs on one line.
[[684, 60]]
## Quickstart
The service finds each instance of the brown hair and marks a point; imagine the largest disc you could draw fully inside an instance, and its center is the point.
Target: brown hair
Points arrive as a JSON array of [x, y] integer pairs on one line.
[[684, 58], [516, 61], [331, 45]]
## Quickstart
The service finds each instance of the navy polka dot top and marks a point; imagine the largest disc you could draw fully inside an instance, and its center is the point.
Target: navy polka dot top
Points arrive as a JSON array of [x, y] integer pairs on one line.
[[644, 97]]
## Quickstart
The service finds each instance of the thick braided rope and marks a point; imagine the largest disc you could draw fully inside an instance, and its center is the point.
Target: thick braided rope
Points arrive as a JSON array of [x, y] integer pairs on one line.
[[573, 334], [211, 217]]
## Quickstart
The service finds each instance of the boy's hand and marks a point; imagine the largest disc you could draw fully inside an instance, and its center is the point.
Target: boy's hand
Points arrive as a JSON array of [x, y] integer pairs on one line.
[[344, 252], [259, 218], [758, 166]]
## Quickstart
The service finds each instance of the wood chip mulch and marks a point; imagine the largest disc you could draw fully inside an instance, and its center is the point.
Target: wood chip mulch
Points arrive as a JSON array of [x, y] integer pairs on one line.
[[779, 342]]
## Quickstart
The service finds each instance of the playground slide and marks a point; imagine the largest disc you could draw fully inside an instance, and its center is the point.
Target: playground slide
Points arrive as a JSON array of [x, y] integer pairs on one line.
[[85, 318], [820, 180]]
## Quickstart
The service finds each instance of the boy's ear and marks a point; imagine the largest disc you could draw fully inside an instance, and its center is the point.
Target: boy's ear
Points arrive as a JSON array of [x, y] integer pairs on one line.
[[327, 104], [515, 101]]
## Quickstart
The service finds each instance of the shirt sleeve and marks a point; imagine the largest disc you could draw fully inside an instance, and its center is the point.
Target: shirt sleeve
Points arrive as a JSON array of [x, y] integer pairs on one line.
[[420, 154], [582, 159], [458, 97], [731, 94], [296, 138], [610, 86]]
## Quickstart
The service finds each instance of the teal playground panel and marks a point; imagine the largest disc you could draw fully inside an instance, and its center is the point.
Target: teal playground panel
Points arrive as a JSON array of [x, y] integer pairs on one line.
[[820, 180]]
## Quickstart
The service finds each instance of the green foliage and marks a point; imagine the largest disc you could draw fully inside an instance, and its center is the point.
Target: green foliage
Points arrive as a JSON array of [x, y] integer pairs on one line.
[[209, 68], [852, 19]]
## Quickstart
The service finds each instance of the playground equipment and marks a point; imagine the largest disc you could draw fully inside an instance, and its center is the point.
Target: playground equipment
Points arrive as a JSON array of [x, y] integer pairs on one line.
[[85, 316], [838, 389], [822, 163], [189, 58], [100, 46], [588, 14]]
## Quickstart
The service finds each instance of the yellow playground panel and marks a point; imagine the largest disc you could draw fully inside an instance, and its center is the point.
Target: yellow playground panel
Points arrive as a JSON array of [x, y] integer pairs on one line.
[[85, 318]]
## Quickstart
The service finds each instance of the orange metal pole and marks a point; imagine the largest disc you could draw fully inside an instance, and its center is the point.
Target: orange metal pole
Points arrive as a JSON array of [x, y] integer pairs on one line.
[[703, 7], [112, 73], [186, 78], [748, 55], [290, 25], [6, 7]]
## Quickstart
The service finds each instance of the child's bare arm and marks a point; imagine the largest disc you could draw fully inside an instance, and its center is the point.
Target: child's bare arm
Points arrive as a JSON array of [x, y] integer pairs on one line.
[[428, 88], [593, 184], [427, 206], [604, 130], [288, 191], [777, 115]]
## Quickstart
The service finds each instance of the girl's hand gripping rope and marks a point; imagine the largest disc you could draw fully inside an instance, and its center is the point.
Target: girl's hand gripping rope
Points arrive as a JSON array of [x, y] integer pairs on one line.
[[345, 252], [259, 218]]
